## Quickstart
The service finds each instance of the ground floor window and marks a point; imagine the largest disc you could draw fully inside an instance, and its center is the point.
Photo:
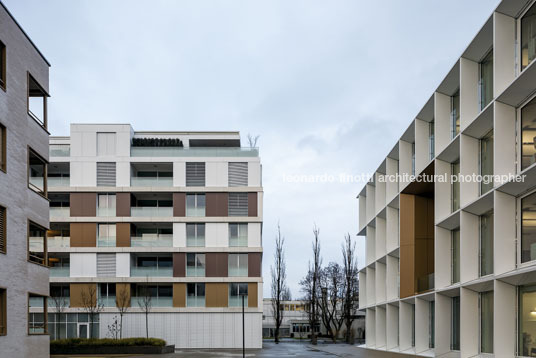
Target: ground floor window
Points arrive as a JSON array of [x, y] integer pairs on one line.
[[455, 324], [527, 321], [486, 322], [72, 325]]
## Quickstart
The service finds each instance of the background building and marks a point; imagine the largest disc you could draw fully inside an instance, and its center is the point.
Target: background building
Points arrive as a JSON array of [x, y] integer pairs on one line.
[[450, 267], [175, 215], [23, 192]]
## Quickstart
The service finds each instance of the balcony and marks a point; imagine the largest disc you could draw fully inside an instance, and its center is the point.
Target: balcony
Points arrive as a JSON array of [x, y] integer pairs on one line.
[[151, 271], [59, 271], [152, 241], [58, 236], [59, 175], [151, 182], [155, 301], [59, 212], [56, 242], [152, 205], [59, 181], [148, 211], [106, 241], [193, 152], [60, 150], [151, 175], [107, 301]]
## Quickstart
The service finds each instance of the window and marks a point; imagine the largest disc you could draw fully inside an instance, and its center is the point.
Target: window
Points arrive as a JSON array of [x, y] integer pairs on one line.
[[106, 235], [37, 314], [527, 317], [37, 244], [486, 80], [431, 140], [528, 228], [106, 265], [413, 325], [486, 244], [236, 292], [3, 312], [455, 114], [195, 265], [37, 102], [59, 265], [106, 144], [431, 324], [528, 37], [238, 174], [528, 134], [195, 204], [3, 229], [195, 295], [195, 235], [238, 235], [455, 324], [106, 174], [238, 204], [37, 173], [152, 266], [238, 265], [3, 148], [455, 255], [412, 158], [161, 294], [107, 294], [3, 65], [106, 204], [195, 174], [486, 162], [486, 322], [59, 150], [455, 168]]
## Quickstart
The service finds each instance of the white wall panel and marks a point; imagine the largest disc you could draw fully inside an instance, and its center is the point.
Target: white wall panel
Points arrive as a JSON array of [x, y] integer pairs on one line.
[[504, 316], [83, 173], [469, 323], [122, 174], [254, 235], [216, 174], [380, 327], [469, 102], [179, 174], [443, 257], [392, 327], [370, 324], [83, 265], [122, 261], [179, 234], [254, 174], [443, 317], [217, 235]]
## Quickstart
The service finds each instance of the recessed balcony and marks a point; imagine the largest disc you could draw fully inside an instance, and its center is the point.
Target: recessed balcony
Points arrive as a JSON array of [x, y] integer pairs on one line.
[[144, 265], [152, 205], [152, 235], [151, 175], [59, 175]]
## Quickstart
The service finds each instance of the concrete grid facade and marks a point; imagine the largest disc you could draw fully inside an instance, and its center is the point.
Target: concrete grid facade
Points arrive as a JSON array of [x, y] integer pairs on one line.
[[177, 212], [24, 73], [450, 265]]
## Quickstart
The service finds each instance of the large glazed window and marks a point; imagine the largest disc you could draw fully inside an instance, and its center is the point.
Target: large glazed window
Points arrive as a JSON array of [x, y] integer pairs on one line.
[[528, 37], [455, 248], [106, 204], [3, 66], [486, 244], [37, 321], [486, 322], [527, 320], [455, 324], [455, 171], [236, 291], [106, 235], [528, 134], [238, 235], [195, 235], [3, 148], [3, 313], [486, 163], [486, 80], [455, 114], [195, 265], [528, 228], [37, 173], [238, 265], [37, 102], [195, 204], [431, 140], [195, 295], [37, 244]]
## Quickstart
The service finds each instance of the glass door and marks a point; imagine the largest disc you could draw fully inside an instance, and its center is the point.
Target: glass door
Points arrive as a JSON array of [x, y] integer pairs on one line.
[[83, 330]]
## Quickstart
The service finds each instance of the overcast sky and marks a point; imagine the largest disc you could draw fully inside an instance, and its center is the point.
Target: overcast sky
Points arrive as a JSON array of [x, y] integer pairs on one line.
[[328, 85]]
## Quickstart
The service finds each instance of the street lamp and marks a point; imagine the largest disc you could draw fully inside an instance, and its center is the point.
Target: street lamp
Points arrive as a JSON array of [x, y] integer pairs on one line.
[[243, 325]]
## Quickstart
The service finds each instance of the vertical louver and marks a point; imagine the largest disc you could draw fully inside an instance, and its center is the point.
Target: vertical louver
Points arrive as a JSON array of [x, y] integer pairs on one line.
[[238, 174], [238, 204], [2, 229], [106, 265], [195, 174], [105, 174]]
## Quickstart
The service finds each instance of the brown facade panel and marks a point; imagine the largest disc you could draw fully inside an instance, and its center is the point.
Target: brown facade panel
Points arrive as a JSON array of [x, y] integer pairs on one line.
[[122, 204], [179, 204], [122, 294], [83, 234], [253, 294], [216, 264], [252, 204], [254, 264], [216, 294], [179, 295], [217, 204], [179, 264], [81, 293], [83, 204], [122, 234]]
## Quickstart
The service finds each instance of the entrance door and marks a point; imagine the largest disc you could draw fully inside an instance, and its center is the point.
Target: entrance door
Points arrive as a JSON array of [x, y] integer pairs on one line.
[[83, 330]]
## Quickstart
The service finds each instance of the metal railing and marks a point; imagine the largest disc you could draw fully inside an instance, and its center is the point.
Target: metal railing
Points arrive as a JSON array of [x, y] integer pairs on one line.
[[193, 152]]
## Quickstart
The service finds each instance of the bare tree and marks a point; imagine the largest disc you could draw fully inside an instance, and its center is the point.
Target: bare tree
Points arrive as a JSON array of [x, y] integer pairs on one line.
[[122, 301], [310, 286], [332, 294], [60, 304], [91, 305], [145, 302], [351, 286], [279, 282], [286, 295], [252, 140]]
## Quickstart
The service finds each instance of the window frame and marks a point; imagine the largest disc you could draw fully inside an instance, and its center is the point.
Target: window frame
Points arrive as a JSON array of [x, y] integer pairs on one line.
[[43, 194], [519, 40], [519, 228], [196, 296], [231, 296], [238, 256], [4, 231], [3, 311], [196, 204], [44, 124], [196, 237], [45, 314], [3, 148], [196, 267], [45, 246], [239, 225], [484, 58], [3, 66]]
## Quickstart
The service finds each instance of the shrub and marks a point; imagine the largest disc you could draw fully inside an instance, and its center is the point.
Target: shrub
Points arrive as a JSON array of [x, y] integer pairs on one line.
[[108, 342]]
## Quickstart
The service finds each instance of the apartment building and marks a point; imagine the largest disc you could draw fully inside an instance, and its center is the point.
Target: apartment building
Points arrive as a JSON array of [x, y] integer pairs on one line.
[[23, 160], [175, 216], [450, 264]]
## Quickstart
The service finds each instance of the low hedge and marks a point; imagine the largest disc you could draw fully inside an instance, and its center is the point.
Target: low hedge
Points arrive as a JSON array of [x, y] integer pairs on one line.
[[74, 342]]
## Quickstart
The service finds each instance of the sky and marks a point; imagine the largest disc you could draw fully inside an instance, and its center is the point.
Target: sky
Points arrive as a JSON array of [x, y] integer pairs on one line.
[[329, 86]]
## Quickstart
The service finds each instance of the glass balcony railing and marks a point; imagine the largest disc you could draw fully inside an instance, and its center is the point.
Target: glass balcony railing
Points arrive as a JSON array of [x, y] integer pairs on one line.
[[58, 242], [195, 272], [151, 182], [60, 212], [59, 181], [152, 241], [195, 241], [106, 241], [107, 301], [164, 211], [238, 272], [192, 301], [239, 241], [155, 301], [151, 271], [60, 150], [236, 301], [193, 152], [195, 211], [106, 212], [59, 271], [62, 301]]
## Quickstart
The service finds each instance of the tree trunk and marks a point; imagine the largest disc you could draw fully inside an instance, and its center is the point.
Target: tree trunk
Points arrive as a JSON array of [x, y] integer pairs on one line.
[[147, 323], [121, 328]]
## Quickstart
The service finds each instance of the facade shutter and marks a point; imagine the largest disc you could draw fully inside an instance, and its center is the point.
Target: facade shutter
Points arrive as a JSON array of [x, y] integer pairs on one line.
[[106, 265], [2, 230], [195, 174], [238, 204], [105, 174], [238, 174]]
